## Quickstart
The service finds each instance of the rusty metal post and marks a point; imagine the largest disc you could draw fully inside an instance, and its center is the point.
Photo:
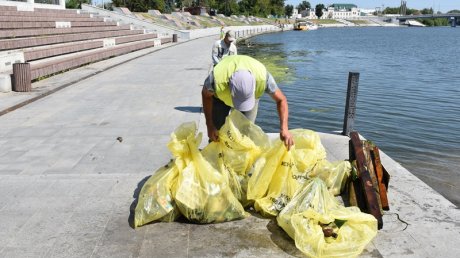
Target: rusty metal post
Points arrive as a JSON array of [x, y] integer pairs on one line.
[[174, 39], [21, 77], [350, 106]]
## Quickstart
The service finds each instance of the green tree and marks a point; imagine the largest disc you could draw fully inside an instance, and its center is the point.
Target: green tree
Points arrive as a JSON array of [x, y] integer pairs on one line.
[[427, 11], [454, 11], [186, 3], [412, 12], [245, 6], [288, 9], [227, 7], [391, 10], [118, 3], [277, 7], [304, 5], [261, 8], [75, 4], [319, 10]]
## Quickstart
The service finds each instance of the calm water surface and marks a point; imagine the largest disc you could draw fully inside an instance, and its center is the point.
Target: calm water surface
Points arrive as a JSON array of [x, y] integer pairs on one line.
[[408, 99]]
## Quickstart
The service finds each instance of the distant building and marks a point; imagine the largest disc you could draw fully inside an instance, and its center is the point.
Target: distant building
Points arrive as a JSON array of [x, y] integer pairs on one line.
[[365, 12], [342, 11], [295, 13], [335, 11], [308, 14]]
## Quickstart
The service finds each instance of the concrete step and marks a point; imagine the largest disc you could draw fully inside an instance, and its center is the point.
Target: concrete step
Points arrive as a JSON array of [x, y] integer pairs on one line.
[[40, 69], [126, 39], [50, 51], [48, 19], [8, 8], [50, 11], [53, 24], [42, 52], [20, 43], [40, 10], [55, 31], [41, 14]]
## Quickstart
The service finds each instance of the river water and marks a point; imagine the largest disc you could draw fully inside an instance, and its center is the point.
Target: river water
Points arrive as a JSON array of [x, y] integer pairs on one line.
[[408, 97]]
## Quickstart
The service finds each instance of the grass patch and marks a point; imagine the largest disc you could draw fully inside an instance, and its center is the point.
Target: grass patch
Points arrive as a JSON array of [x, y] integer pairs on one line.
[[359, 22], [325, 21]]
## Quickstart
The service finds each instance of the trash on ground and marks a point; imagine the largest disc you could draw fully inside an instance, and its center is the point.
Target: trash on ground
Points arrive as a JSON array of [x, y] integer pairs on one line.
[[321, 227], [241, 142], [245, 167], [279, 174], [190, 183]]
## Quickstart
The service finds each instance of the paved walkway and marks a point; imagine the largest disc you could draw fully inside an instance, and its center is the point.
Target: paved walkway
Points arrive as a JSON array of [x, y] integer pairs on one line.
[[71, 163]]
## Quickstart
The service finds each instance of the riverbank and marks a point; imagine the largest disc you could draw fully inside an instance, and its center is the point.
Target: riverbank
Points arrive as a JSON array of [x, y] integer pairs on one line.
[[72, 163], [410, 114]]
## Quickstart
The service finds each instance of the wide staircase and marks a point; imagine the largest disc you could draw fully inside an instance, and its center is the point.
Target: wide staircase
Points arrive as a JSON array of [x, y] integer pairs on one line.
[[50, 41]]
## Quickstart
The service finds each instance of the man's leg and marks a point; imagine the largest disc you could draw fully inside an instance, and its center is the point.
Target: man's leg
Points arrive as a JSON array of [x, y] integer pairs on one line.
[[219, 112], [252, 114]]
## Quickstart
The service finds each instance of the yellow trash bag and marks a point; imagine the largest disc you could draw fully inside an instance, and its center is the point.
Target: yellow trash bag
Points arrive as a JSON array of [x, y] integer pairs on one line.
[[334, 174], [240, 143], [309, 149], [321, 227], [155, 200], [278, 174], [201, 193]]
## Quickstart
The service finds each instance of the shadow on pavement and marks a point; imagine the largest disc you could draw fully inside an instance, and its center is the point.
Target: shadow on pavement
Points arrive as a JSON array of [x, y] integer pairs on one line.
[[132, 208], [282, 239], [189, 109]]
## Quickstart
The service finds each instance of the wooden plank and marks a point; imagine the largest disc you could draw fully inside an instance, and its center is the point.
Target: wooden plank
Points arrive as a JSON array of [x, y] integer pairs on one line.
[[355, 194], [380, 176], [365, 179], [368, 147]]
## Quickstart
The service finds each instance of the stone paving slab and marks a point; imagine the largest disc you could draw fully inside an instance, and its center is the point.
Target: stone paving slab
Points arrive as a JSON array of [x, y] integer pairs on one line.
[[67, 185]]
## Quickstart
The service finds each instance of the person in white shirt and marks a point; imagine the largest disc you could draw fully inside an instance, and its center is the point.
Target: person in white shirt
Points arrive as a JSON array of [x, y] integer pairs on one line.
[[224, 47]]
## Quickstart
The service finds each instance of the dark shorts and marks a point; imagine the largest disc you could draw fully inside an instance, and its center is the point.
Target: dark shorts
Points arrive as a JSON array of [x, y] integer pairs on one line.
[[220, 111]]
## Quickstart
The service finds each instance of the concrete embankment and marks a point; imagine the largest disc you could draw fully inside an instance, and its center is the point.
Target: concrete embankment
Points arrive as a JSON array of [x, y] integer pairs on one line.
[[72, 162]]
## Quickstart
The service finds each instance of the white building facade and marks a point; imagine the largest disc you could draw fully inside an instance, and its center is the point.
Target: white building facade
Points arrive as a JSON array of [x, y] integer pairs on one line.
[[342, 11], [335, 11]]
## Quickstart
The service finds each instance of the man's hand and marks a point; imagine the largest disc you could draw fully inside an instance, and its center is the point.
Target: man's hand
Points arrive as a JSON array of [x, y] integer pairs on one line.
[[287, 138], [213, 134], [282, 106], [207, 108]]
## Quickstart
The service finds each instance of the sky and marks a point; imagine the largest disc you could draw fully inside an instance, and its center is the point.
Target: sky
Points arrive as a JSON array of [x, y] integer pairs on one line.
[[437, 5]]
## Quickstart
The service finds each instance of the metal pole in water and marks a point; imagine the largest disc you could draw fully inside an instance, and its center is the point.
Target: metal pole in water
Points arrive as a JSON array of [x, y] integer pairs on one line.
[[350, 106]]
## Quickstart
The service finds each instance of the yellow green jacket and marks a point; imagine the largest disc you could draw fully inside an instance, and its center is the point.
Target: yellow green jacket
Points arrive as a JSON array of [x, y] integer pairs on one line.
[[225, 69]]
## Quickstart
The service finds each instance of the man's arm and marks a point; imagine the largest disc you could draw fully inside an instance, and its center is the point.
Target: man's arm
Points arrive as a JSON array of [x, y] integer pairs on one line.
[[215, 53], [207, 96], [283, 112]]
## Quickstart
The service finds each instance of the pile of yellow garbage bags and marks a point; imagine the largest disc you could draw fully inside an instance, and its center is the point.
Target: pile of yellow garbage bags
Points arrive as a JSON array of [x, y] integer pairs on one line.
[[246, 168]]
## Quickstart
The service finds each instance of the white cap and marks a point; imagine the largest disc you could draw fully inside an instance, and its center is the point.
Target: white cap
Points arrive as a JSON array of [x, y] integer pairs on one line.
[[242, 88]]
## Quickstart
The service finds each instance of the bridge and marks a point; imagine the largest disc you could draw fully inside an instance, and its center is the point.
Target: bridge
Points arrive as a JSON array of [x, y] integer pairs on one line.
[[454, 18]]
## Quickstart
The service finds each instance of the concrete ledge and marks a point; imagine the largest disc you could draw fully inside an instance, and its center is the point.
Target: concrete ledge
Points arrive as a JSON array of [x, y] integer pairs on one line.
[[53, 24], [51, 67], [48, 40], [54, 31], [121, 40], [56, 14], [26, 5], [31, 55], [47, 19]]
